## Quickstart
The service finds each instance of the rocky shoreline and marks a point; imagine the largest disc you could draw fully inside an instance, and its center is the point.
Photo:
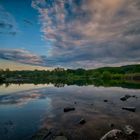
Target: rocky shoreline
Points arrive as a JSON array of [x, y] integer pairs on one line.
[[127, 132]]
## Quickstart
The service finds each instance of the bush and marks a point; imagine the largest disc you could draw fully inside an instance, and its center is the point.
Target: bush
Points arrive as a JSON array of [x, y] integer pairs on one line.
[[106, 75]]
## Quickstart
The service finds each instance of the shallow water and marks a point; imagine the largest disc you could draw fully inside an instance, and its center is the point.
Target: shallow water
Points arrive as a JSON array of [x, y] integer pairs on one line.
[[25, 109]]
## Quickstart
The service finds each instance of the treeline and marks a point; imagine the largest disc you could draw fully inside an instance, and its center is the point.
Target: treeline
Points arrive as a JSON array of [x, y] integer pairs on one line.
[[129, 72]]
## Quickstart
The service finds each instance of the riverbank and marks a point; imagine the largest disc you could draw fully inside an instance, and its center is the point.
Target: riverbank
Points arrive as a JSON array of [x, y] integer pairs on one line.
[[126, 76]]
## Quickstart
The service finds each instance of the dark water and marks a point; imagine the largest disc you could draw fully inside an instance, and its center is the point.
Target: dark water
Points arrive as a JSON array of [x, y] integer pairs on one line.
[[25, 109]]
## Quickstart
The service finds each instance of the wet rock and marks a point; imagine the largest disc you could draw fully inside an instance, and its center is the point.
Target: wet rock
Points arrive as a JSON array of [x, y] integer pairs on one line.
[[82, 121], [129, 130], [67, 109], [132, 109], [111, 125], [114, 134], [134, 96], [105, 100], [124, 98], [60, 138]]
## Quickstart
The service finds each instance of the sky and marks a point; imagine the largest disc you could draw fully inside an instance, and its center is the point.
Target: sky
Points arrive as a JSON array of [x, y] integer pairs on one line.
[[4, 64], [69, 33]]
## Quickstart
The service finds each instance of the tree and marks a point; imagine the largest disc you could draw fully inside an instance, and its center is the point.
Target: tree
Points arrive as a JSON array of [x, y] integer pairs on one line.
[[96, 74], [106, 75]]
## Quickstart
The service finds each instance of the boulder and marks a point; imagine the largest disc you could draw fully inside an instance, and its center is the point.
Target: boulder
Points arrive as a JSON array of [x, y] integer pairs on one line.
[[111, 125], [105, 100], [129, 130], [124, 98], [132, 109], [114, 134], [67, 109], [134, 96], [82, 121]]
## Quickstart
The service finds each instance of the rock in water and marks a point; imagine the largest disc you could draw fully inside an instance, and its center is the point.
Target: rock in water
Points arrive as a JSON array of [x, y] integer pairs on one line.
[[111, 125], [124, 98], [132, 109], [129, 130], [82, 121], [67, 109], [114, 134], [105, 100]]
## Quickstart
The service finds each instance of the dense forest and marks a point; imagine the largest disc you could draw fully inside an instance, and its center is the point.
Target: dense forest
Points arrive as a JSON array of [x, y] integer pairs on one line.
[[60, 76]]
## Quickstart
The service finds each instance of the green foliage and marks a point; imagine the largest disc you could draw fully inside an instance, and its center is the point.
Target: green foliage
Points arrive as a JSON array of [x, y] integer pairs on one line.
[[96, 74], [101, 76], [129, 69], [106, 75]]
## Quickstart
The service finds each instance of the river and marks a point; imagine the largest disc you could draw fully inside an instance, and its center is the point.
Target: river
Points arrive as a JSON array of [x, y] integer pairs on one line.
[[27, 108]]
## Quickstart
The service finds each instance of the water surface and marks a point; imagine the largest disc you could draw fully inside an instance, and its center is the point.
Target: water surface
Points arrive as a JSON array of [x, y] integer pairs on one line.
[[25, 109]]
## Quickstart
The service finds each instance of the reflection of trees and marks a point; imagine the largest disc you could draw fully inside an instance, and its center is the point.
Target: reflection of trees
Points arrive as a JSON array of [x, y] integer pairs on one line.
[[7, 84], [85, 82], [59, 85]]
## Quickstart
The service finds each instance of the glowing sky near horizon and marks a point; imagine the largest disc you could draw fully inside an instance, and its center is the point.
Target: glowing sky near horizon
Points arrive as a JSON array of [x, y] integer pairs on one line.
[[70, 33]]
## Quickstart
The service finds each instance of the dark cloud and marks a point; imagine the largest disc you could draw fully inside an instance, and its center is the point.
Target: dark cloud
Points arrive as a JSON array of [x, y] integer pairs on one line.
[[21, 55], [82, 33], [88, 33]]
